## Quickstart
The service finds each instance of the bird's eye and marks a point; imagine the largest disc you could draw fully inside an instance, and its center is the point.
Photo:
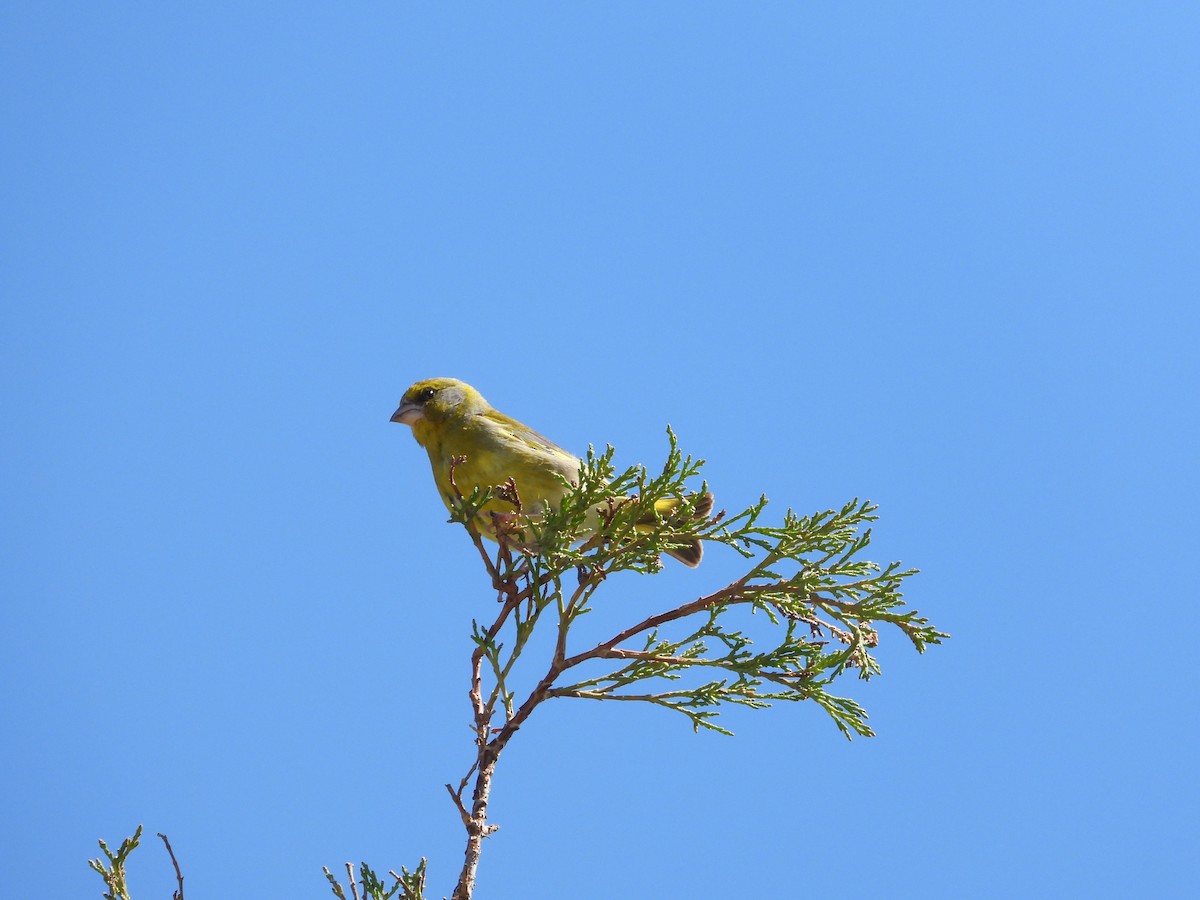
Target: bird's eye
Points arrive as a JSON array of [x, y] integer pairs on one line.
[[426, 394]]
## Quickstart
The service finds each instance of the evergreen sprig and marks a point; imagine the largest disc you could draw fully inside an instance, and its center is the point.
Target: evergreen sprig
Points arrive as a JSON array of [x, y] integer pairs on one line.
[[113, 871], [809, 581], [405, 886]]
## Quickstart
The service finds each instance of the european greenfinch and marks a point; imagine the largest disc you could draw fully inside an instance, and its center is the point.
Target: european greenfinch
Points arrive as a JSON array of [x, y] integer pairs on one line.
[[451, 419]]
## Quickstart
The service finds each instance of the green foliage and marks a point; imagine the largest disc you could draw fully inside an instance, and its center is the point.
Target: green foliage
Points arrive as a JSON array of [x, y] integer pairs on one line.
[[113, 872], [405, 886], [809, 579]]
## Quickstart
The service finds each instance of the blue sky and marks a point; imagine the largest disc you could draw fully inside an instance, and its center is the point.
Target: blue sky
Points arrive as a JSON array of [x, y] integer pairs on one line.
[[940, 255]]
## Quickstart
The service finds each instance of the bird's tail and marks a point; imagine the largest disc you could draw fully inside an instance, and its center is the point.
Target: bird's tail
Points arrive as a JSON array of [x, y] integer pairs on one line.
[[690, 552]]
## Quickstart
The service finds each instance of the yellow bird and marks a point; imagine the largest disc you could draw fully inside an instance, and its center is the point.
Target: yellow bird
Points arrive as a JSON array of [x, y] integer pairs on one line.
[[450, 419]]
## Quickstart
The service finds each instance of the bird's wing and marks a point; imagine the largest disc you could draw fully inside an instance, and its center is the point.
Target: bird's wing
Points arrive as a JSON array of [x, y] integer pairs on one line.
[[523, 435]]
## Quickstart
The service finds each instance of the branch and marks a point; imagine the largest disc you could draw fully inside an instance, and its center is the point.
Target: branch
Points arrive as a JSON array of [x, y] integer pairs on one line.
[[175, 895], [808, 578]]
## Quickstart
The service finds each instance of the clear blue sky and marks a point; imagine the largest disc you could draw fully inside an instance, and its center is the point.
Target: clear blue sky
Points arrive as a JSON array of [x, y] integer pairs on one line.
[[942, 255]]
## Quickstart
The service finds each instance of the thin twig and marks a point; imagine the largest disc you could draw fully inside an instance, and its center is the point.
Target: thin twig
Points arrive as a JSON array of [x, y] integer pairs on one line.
[[642, 656], [457, 798], [175, 895]]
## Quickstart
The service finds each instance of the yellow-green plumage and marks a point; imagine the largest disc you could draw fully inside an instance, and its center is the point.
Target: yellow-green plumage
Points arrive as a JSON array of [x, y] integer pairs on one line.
[[451, 419]]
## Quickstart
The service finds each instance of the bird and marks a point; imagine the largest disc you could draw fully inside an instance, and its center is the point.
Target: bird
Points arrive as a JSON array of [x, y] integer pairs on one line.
[[481, 447]]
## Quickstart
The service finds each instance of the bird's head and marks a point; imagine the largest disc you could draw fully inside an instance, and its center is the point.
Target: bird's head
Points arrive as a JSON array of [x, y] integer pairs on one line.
[[436, 400]]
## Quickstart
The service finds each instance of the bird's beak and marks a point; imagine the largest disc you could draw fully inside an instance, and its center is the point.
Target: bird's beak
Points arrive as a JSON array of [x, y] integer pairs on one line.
[[407, 413]]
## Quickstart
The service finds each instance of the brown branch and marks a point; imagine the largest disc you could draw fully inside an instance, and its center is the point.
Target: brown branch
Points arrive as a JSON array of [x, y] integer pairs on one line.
[[456, 796], [477, 827], [567, 613], [604, 695], [738, 592], [557, 665], [489, 744], [475, 820], [526, 590], [175, 895], [488, 750], [621, 653]]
